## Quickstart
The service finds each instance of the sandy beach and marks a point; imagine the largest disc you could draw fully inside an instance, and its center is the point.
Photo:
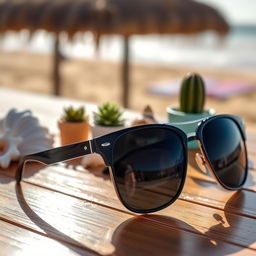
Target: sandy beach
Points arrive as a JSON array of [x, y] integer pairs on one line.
[[99, 81]]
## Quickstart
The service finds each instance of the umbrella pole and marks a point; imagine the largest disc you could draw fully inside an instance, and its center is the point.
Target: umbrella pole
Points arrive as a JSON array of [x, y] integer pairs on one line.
[[56, 66], [125, 72]]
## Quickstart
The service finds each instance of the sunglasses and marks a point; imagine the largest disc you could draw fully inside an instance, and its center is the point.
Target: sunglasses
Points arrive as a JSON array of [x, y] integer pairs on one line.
[[148, 163]]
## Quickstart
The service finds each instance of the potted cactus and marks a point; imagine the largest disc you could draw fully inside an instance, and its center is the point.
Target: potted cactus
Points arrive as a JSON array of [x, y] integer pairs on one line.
[[108, 118], [74, 125], [192, 101]]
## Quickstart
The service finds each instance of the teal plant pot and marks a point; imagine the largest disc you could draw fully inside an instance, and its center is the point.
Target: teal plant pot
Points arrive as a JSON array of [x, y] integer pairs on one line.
[[176, 116]]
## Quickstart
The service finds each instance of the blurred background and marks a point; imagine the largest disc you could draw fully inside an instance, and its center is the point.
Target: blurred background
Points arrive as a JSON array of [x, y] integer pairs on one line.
[[91, 71]]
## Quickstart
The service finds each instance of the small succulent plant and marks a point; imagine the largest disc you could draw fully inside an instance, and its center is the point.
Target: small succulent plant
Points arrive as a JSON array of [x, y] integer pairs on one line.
[[109, 114], [72, 114], [192, 94]]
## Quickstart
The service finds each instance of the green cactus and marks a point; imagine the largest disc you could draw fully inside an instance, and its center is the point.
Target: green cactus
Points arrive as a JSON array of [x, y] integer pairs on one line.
[[192, 94], [72, 114], [108, 114]]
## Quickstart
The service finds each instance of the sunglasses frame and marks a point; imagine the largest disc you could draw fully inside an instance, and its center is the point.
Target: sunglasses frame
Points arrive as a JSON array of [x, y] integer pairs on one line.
[[183, 137], [199, 137], [104, 146]]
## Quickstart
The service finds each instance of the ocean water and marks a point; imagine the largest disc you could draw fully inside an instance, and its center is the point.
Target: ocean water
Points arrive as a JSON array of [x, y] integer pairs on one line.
[[236, 50]]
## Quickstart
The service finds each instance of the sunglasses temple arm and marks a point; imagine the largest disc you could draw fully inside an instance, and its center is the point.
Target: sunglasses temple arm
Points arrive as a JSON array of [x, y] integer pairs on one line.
[[55, 155]]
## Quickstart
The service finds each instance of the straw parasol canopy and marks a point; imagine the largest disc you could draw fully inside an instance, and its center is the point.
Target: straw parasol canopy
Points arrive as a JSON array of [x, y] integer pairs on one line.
[[108, 17]]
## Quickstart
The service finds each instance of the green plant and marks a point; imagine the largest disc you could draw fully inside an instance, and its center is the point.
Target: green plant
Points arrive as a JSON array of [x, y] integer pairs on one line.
[[72, 114], [192, 94], [108, 114]]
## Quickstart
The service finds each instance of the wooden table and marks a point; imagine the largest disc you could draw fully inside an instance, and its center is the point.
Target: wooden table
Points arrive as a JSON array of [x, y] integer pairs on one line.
[[76, 212]]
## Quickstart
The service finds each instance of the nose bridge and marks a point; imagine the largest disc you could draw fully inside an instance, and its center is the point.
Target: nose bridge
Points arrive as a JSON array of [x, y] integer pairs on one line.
[[189, 127], [191, 136]]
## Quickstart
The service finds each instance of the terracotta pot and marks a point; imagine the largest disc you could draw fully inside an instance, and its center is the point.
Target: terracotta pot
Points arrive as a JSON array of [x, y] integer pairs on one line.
[[72, 132]]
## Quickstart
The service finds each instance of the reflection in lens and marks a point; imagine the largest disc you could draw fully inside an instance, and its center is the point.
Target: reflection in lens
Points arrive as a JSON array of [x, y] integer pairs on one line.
[[226, 151], [149, 165]]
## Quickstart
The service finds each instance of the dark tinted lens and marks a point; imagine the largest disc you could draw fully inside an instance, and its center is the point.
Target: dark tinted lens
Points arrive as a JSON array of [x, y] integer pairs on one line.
[[226, 151], [148, 166]]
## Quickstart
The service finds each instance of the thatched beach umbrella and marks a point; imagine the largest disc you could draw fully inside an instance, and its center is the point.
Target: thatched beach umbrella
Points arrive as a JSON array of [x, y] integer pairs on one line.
[[108, 17]]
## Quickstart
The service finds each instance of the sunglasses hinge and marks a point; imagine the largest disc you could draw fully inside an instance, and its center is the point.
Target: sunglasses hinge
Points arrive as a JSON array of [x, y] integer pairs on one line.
[[201, 163]]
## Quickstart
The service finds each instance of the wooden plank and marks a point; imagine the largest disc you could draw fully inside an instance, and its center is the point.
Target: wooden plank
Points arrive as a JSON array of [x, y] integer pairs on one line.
[[19, 241], [204, 211], [132, 234], [60, 217], [82, 223], [87, 185], [96, 190], [128, 239], [251, 142], [48, 109]]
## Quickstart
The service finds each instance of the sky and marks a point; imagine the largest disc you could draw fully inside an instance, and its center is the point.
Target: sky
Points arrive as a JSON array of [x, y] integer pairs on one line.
[[236, 11]]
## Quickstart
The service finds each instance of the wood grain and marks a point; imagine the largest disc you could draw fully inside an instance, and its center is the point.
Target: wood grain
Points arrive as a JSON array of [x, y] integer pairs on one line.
[[85, 185], [62, 210], [97, 187], [16, 240], [84, 224]]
